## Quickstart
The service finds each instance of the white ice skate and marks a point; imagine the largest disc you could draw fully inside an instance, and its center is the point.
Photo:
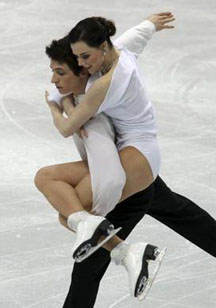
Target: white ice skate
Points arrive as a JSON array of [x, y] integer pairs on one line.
[[142, 263], [88, 233]]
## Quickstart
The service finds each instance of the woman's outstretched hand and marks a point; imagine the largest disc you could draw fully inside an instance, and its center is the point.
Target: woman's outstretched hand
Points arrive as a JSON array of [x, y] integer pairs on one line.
[[162, 20]]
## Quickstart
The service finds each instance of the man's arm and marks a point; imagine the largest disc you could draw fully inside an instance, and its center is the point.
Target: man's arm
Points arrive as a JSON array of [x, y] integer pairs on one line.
[[136, 38]]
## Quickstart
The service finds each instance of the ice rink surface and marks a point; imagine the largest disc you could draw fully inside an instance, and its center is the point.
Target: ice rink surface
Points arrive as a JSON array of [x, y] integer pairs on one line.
[[180, 69]]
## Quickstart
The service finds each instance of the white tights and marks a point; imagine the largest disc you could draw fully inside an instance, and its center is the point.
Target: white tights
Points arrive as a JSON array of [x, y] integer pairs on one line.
[[108, 177]]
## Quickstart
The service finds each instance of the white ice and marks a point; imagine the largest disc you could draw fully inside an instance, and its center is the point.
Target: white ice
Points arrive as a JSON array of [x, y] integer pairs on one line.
[[180, 69]]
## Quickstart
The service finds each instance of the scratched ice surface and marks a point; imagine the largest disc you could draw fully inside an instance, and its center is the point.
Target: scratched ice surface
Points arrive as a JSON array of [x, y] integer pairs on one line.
[[180, 69]]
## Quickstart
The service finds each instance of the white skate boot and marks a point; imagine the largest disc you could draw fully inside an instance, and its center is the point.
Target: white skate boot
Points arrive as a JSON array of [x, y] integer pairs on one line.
[[88, 233], [142, 263]]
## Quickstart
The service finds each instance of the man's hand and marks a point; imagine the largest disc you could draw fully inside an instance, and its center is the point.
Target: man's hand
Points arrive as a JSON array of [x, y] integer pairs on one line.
[[57, 113], [161, 20], [67, 104], [52, 104]]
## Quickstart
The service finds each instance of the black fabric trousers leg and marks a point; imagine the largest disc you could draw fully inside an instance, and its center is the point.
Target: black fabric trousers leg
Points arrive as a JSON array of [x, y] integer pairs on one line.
[[177, 212], [86, 276], [184, 217]]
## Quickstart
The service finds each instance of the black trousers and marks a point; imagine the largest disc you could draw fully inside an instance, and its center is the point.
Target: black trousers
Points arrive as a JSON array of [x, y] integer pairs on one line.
[[177, 212]]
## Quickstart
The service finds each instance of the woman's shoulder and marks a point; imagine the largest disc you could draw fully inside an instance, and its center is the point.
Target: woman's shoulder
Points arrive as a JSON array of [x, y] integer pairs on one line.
[[125, 67], [124, 51], [117, 79]]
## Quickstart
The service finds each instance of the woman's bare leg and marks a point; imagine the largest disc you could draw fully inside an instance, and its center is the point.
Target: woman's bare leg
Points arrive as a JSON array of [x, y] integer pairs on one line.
[[139, 177], [68, 186], [138, 171], [58, 183]]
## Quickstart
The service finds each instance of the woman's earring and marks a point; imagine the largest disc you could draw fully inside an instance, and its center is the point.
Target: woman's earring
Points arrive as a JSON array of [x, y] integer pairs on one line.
[[104, 52]]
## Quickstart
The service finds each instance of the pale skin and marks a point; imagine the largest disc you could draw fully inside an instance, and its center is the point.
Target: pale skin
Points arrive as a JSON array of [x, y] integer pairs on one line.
[[67, 186]]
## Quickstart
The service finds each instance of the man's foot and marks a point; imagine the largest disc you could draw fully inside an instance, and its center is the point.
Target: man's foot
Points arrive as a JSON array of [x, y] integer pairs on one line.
[[142, 263]]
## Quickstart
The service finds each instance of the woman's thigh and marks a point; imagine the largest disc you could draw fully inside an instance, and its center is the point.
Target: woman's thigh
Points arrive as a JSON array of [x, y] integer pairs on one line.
[[138, 176], [138, 171], [71, 173]]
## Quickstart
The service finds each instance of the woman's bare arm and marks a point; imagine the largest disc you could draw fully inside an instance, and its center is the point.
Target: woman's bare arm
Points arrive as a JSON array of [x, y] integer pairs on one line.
[[86, 109]]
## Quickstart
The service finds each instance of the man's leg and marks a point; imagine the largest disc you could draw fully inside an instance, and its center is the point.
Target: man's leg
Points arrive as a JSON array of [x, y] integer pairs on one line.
[[86, 276], [184, 217], [176, 211]]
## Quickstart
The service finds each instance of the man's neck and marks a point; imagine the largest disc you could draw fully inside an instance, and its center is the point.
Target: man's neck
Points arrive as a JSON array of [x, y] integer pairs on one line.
[[82, 87]]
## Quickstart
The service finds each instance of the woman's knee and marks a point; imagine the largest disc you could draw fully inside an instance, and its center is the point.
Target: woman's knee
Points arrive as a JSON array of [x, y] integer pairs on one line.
[[42, 176]]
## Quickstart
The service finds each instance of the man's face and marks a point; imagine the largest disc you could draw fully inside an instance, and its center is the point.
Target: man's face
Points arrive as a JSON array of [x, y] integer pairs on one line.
[[65, 80]]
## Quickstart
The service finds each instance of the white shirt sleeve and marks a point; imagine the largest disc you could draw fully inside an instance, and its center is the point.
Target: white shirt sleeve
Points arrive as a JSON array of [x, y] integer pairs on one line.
[[136, 38]]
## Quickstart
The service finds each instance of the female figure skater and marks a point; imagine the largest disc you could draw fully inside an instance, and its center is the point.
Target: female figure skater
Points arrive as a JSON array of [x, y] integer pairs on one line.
[[131, 141]]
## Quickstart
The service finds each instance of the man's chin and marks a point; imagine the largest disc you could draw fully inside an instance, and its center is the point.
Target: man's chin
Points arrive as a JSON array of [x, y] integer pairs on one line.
[[62, 91]]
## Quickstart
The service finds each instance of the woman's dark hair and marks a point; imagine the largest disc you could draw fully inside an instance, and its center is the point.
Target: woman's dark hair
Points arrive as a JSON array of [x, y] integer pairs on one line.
[[93, 31], [60, 51]]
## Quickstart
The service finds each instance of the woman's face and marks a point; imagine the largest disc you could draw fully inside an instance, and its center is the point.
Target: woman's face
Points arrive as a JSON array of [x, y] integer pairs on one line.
[[90, 57]]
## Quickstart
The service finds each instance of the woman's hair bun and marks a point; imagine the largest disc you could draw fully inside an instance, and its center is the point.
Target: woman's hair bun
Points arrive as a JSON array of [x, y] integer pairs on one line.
[[93, 31], [108, 24]]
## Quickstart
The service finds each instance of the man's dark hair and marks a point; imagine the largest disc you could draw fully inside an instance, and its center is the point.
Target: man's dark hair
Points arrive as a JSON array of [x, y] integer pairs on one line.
[[60, 51]]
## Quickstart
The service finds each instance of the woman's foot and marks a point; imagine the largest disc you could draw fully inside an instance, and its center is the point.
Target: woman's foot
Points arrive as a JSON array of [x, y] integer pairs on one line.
[[89, 230]]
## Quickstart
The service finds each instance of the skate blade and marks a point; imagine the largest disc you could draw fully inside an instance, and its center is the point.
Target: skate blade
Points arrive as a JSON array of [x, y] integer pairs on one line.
[[95, 248], [151, 279]]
